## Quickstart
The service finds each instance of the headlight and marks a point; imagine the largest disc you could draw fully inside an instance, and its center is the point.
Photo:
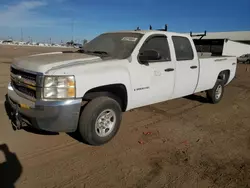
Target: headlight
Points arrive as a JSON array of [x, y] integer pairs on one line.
[[59, 87]]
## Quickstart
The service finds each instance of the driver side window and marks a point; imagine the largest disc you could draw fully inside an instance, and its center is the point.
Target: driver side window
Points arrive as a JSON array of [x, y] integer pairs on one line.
[[159, 44]]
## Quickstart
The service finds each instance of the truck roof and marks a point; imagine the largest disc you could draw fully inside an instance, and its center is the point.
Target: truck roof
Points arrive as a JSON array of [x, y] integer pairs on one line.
[[147, 31]]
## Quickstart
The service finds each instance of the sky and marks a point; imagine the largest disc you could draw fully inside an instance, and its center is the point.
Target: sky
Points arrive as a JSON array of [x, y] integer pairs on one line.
[[85, 19]]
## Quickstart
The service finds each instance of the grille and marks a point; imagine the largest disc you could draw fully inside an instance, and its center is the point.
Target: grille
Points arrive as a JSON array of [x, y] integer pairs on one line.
[[24, 90], [22, 81], [26, 75]]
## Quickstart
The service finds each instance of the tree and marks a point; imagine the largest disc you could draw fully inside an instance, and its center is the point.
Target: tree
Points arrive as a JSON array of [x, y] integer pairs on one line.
[[71, 43], [85, 41]]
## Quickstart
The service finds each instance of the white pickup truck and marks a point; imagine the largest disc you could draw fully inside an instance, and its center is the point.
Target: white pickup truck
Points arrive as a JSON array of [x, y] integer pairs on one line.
[[87, 90]]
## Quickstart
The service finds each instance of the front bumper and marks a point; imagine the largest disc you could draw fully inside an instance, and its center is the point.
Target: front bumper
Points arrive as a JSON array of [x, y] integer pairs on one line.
[[54, 116]]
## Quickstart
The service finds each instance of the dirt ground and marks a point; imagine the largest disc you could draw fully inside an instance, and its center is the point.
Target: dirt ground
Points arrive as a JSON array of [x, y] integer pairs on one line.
[[190, 143]]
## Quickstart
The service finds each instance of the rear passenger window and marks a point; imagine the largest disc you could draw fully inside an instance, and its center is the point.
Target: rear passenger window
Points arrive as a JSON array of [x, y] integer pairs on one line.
[[159, 44], [183, 48]]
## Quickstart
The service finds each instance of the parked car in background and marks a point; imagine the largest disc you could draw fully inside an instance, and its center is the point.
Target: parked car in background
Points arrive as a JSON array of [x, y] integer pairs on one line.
[[77, 45], [244, 59]]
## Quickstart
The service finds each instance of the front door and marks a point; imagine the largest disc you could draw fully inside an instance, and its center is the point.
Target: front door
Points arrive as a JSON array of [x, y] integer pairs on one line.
[[158, 75]]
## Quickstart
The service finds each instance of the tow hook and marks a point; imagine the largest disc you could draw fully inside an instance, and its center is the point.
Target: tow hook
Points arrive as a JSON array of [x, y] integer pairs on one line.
[[16, 121], [17, 124]]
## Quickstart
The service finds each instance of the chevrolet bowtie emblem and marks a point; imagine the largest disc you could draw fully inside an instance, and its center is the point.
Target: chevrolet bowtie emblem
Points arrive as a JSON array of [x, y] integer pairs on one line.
[[18, 79]]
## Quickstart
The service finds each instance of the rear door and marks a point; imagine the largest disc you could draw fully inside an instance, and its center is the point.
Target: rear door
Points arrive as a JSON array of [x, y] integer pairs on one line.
[[187, 66]]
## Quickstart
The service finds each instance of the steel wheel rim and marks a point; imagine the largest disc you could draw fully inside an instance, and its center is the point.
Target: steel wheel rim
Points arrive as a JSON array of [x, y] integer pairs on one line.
[[105, 123], [218, 92]]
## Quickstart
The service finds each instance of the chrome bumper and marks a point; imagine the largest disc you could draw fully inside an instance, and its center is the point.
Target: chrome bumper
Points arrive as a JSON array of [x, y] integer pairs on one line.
[[54, 116]]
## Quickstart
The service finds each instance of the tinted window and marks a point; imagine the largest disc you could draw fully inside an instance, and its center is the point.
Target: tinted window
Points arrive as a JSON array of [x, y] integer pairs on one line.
[[183, 48], [159, 44]]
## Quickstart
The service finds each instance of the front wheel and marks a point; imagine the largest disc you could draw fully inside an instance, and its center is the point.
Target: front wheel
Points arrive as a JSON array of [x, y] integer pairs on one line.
[[100, 120], [215, 95]]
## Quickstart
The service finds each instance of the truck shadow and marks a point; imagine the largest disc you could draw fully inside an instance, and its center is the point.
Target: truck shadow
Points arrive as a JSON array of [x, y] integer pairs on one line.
[[197, 98], [37, 131], [76, 136], [11, 169]]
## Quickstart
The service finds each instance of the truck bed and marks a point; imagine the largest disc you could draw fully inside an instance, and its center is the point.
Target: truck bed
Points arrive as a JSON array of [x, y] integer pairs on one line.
[[209, 55], [211, 66]]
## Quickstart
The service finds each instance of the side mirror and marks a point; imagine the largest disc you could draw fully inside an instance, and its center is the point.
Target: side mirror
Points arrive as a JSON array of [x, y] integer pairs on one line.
[[149, 55]]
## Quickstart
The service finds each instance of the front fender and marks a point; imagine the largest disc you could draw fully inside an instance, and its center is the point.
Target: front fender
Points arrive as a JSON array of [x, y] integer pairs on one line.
[[92, 78]]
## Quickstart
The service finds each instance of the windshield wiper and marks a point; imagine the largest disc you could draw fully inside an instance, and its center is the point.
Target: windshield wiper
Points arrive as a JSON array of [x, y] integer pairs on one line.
[[94, 52], [99, 52]]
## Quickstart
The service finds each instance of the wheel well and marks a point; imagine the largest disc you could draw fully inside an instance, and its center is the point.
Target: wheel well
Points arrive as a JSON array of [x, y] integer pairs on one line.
[[115, 91], [224, 76]]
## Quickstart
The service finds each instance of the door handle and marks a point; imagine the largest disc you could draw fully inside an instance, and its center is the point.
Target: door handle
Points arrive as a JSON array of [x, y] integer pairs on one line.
[[169, 70], [193, 67]]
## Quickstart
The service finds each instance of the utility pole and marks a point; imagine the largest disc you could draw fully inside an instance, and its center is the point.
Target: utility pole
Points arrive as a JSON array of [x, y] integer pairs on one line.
[[21, 34], [72, 29]]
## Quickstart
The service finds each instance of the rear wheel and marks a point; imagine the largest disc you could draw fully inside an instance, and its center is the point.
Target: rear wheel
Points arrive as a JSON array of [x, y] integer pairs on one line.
[[215, 95], [100, 120]]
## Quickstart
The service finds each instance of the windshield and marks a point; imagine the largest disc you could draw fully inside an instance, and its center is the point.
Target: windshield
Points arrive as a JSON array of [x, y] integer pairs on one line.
[[115, 45]]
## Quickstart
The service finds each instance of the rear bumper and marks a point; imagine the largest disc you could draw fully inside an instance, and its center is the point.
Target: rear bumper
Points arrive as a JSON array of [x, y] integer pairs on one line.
[[54, 116]]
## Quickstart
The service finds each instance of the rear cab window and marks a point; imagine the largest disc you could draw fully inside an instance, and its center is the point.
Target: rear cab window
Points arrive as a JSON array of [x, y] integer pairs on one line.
[[183, 48]]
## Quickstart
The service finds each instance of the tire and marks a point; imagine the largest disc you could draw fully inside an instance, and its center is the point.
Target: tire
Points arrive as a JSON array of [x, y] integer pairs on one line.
[[100, 108], [215, 95]]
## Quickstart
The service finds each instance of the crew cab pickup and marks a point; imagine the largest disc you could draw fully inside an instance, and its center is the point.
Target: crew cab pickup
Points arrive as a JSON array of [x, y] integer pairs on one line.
[[88, 90]]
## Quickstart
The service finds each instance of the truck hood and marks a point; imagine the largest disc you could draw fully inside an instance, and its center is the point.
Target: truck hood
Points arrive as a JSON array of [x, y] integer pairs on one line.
[[47, 61]]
